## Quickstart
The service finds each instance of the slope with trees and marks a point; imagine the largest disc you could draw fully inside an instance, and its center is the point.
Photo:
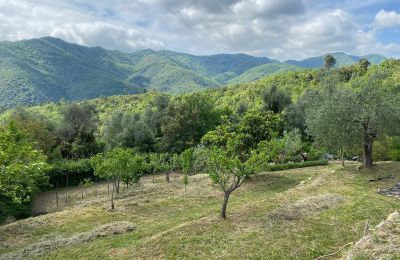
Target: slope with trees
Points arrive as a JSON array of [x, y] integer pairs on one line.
[[50, 70]]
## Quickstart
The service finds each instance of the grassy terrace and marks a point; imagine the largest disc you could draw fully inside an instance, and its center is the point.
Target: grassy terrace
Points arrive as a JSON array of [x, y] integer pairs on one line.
[[271, 217]]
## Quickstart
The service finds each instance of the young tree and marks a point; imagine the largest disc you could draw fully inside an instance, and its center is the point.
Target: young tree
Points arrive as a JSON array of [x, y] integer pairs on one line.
[[228, 171], [119, 164], [85, 184], [133, 167], [187, 162], [185, 180], [166, 164], [102, 168]]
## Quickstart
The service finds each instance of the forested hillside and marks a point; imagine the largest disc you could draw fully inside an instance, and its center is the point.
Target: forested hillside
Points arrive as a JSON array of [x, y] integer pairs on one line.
[[49, 69]]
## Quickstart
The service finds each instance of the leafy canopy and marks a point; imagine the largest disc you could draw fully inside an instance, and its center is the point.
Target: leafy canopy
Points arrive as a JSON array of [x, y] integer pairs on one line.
[[22, 167]]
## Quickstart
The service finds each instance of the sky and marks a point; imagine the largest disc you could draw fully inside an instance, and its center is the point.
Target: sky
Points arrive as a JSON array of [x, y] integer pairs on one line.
[[279, 29]]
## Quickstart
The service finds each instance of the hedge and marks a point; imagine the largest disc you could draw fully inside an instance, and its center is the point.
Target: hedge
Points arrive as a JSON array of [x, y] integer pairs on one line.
[[294, 165]]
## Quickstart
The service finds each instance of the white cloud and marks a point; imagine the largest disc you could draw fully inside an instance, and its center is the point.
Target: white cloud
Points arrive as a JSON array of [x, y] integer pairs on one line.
[[283, 29], [23, 20], [268, 7], [385, 19], [327, 32]]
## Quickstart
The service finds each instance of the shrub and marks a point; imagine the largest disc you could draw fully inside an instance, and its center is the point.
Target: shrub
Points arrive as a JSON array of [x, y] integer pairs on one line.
[[294, 165]]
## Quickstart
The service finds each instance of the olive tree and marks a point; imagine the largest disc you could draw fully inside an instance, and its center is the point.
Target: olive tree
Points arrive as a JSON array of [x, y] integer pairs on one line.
[[341, 116], [275, 100]]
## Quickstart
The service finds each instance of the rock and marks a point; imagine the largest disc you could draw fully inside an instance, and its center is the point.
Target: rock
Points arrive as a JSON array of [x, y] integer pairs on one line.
[[302, 183], [393, 217]]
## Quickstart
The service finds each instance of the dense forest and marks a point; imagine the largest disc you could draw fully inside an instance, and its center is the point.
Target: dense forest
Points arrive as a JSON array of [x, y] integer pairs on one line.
[[287, 120], [51, 70]]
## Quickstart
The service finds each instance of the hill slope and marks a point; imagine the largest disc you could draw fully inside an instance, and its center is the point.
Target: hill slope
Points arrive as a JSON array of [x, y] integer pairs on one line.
[[295, 214], [49, 69]]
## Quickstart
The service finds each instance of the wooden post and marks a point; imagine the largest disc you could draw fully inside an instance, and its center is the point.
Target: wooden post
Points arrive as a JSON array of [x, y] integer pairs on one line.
[[56, 197], [66, 191]]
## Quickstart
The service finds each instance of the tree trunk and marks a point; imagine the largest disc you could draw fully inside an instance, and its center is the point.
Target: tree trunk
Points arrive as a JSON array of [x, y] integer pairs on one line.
[[225, 204], [57, 197], [342, 156], [108, 186], [167, 176], [117, 186], [66, 192], [367, 162], [303, 157], [112, 197]]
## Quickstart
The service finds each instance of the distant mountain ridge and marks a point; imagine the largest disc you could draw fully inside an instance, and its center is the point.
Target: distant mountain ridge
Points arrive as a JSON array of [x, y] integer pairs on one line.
[[342, 59], [50, 69]]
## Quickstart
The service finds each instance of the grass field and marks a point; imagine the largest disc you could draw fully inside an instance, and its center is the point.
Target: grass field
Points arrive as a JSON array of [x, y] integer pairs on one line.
[[293, 214]]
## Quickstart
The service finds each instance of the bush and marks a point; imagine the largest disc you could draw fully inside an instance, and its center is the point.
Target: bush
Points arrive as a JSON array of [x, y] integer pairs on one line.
[[76, 171], [16, 210], [199, 159], [294, 165]]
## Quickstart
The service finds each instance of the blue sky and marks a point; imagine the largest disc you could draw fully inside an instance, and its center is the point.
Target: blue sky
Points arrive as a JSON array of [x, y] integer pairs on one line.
[[284, 29]]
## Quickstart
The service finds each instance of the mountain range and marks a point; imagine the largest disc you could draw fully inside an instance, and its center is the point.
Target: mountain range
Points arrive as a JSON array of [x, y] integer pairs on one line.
[[49, 69]]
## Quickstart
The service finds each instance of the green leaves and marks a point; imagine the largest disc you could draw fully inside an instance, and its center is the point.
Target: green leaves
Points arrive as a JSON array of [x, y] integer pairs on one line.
[[239, 136], [187, 160], [22, 168], [226, 169], [120, 163]]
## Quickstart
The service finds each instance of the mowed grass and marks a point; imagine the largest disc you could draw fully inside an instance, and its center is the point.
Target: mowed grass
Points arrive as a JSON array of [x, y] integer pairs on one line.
[[175, 224]]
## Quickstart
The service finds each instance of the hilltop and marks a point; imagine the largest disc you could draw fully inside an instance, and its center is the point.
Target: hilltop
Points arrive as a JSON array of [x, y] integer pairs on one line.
[[50, 70]]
